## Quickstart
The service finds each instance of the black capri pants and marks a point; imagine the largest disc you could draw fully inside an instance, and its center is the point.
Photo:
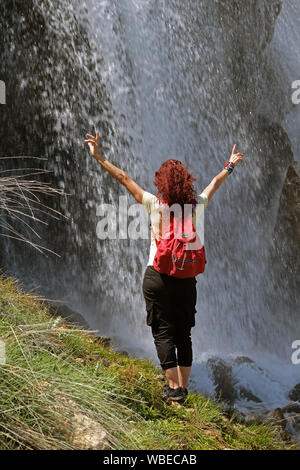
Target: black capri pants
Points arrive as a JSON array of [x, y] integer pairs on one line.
[[171, 308]]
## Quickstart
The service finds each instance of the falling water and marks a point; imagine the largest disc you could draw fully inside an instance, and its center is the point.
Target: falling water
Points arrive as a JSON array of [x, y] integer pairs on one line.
[[159, 79]]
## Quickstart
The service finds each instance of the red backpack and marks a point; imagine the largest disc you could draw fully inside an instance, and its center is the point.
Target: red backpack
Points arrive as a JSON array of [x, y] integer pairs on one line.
[[174, 256]]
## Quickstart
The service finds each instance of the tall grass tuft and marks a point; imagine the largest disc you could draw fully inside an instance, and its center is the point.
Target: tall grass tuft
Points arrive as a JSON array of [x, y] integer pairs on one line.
[[44, 388], [21, 202]]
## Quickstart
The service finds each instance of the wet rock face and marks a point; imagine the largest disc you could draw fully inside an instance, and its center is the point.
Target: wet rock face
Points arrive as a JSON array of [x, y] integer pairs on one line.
[[70, 315], [247, 395], [55, 94], [239, 360], [294, 394], [286, 254], [289, 210], [245, 45], [293, 408], [226, 388], [222, 378]]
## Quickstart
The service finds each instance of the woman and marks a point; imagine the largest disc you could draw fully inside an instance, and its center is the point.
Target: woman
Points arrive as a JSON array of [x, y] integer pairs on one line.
[[170, 301]]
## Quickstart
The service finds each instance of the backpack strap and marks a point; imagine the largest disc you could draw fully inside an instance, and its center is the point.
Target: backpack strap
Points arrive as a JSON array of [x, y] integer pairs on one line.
[[152, 231]]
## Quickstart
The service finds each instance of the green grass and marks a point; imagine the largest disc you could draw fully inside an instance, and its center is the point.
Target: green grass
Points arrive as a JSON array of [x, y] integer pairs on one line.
[[53, 368]]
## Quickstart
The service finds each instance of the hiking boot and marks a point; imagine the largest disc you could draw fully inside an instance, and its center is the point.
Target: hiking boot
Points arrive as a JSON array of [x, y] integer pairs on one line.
[[166, 391], [177, 394]]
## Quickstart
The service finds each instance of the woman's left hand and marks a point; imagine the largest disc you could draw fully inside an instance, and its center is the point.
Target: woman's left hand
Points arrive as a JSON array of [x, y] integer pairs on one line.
[[235, 158]]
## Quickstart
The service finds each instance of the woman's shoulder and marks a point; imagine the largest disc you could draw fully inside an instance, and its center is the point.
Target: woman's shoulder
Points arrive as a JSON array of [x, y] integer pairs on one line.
[[151, 202], [148, 198], [202, 204], [203, 199]]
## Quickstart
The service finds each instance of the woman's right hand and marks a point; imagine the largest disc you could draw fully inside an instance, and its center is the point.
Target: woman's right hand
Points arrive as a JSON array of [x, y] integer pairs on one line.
[[93, 144], [235, 158]]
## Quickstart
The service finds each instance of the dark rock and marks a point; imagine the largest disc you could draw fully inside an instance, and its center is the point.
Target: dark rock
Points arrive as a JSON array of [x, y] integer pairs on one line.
[[291, 196], [292, 414], [103, 341], [277, 417], [222, 377], [247, 395], [243, 360], [243, 418], [124, 353], [294, 394], [68, 314], [239, 416], [251, 419], [56, 67], [291, 408], [287, 241]]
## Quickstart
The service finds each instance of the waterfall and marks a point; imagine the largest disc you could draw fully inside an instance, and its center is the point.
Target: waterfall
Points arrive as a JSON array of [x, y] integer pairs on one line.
[[163, 79]]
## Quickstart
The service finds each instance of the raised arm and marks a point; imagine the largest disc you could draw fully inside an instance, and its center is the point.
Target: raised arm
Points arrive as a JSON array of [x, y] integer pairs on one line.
[[113, 170], [218, 180]]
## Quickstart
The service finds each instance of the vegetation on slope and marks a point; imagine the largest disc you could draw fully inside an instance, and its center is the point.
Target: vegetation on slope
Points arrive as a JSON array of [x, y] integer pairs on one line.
[[57, 375]]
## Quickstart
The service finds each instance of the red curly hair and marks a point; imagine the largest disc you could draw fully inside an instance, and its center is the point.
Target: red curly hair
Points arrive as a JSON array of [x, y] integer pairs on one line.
[[175, 184]]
